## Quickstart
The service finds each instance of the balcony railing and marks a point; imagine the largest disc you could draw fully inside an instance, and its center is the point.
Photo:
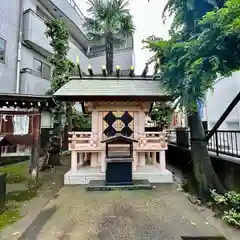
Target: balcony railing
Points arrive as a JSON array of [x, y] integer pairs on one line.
[[224, 142], [34, 31], [76, 8], [33, 82], [99, 50]]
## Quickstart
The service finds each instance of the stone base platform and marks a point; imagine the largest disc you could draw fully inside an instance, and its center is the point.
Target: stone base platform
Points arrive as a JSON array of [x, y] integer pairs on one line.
[[84, 174], [99, 185]]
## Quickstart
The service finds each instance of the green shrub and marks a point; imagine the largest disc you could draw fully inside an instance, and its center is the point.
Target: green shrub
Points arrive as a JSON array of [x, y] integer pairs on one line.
[[16, 173], [229, 206], [232, 217]]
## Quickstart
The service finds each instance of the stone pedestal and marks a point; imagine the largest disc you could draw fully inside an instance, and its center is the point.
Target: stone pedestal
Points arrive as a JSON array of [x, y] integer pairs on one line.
[[162, 161], [74, 161]]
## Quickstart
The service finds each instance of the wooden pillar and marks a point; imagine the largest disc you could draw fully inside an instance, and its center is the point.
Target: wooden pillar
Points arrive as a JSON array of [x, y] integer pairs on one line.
[[162, 161], [142, 159], [154, 157], [135, 126], [95, 121], [135, 161], [141, 122], [148, 157], [103, 161], [141, 129], [94, 159], [74, 161], [81, 159]]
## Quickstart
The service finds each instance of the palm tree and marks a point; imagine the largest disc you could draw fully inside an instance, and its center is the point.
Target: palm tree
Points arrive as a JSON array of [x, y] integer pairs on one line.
[[109, 21]]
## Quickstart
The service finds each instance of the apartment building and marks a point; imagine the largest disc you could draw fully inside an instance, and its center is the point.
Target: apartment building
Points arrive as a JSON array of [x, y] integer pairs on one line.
[[24, 48]]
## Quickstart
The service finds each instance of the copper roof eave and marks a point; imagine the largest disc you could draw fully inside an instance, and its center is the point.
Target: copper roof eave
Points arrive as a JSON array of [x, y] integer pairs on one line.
[[101, 77], [24, 97], [164, 98]]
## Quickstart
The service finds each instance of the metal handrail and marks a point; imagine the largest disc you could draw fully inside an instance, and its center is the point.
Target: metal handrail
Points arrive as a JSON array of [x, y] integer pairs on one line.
[[225, 142]]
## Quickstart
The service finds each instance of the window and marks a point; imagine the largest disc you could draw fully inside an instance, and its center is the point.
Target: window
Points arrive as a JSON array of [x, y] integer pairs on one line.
[[42, 68], [2, 50]]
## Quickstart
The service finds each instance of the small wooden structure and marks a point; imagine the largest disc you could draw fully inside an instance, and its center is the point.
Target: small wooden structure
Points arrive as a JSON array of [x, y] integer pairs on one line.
[[14, 105], [119, 160], [118, 105]]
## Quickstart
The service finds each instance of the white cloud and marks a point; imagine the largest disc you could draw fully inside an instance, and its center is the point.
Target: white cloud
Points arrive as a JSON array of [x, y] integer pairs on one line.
[[148, 21]]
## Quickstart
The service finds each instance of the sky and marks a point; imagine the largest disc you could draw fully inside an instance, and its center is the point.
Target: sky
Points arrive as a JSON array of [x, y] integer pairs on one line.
[[147, 17]]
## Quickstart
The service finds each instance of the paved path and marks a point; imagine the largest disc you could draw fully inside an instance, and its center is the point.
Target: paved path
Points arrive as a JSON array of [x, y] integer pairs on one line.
[[163, 213]]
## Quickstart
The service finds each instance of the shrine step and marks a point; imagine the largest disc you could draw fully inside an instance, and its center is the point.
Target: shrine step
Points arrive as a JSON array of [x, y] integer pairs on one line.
[[99, 185]]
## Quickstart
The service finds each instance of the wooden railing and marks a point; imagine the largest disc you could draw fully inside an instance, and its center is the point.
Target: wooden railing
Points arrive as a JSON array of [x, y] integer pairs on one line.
[[153, 139], [91, 141], [80, 140]]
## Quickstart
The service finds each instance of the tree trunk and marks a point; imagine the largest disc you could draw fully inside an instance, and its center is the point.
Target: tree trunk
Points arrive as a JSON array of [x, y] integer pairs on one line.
[[56, 135], [34, 158], [35, 149], [204, 173], [109, 53]]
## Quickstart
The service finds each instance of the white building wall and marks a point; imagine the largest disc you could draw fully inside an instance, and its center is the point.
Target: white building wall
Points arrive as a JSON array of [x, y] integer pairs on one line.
[[9, 24], [216, 102]]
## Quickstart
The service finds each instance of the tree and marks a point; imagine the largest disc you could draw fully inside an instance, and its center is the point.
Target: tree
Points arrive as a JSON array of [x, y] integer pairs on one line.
[[81, 121], [187, 14], [59, 40], [161, 114], [109, 21], [189, 67]]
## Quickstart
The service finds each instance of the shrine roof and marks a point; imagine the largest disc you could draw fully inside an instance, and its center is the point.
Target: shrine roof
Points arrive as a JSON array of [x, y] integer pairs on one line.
[[113, 88], [24, 100]]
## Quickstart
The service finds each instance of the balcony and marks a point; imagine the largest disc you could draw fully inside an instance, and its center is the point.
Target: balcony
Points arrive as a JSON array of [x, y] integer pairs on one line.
[[33, 83], [69, 12], [34, 32], [124, 58], [100, 49]]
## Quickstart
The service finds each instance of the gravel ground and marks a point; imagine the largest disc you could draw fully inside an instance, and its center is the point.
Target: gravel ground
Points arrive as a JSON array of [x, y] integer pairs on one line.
[[162, 213]]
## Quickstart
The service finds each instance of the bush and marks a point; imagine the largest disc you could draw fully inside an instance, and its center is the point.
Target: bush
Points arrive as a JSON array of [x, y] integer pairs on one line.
[[229, 206]]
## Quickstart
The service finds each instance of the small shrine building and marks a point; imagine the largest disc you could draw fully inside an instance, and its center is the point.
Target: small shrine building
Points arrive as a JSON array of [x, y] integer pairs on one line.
[[118, 106]]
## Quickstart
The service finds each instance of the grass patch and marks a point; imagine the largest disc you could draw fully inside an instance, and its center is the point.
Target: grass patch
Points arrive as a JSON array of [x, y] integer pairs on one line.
[[11, 213], [16, 173], [22, 196], [9, 216]]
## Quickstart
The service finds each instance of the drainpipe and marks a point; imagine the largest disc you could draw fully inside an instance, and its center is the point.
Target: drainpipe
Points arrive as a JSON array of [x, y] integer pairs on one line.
[[19, 47]]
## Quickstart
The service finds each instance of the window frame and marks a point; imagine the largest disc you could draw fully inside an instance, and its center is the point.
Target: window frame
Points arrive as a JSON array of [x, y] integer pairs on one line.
[[5, 49], [42, 64]]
